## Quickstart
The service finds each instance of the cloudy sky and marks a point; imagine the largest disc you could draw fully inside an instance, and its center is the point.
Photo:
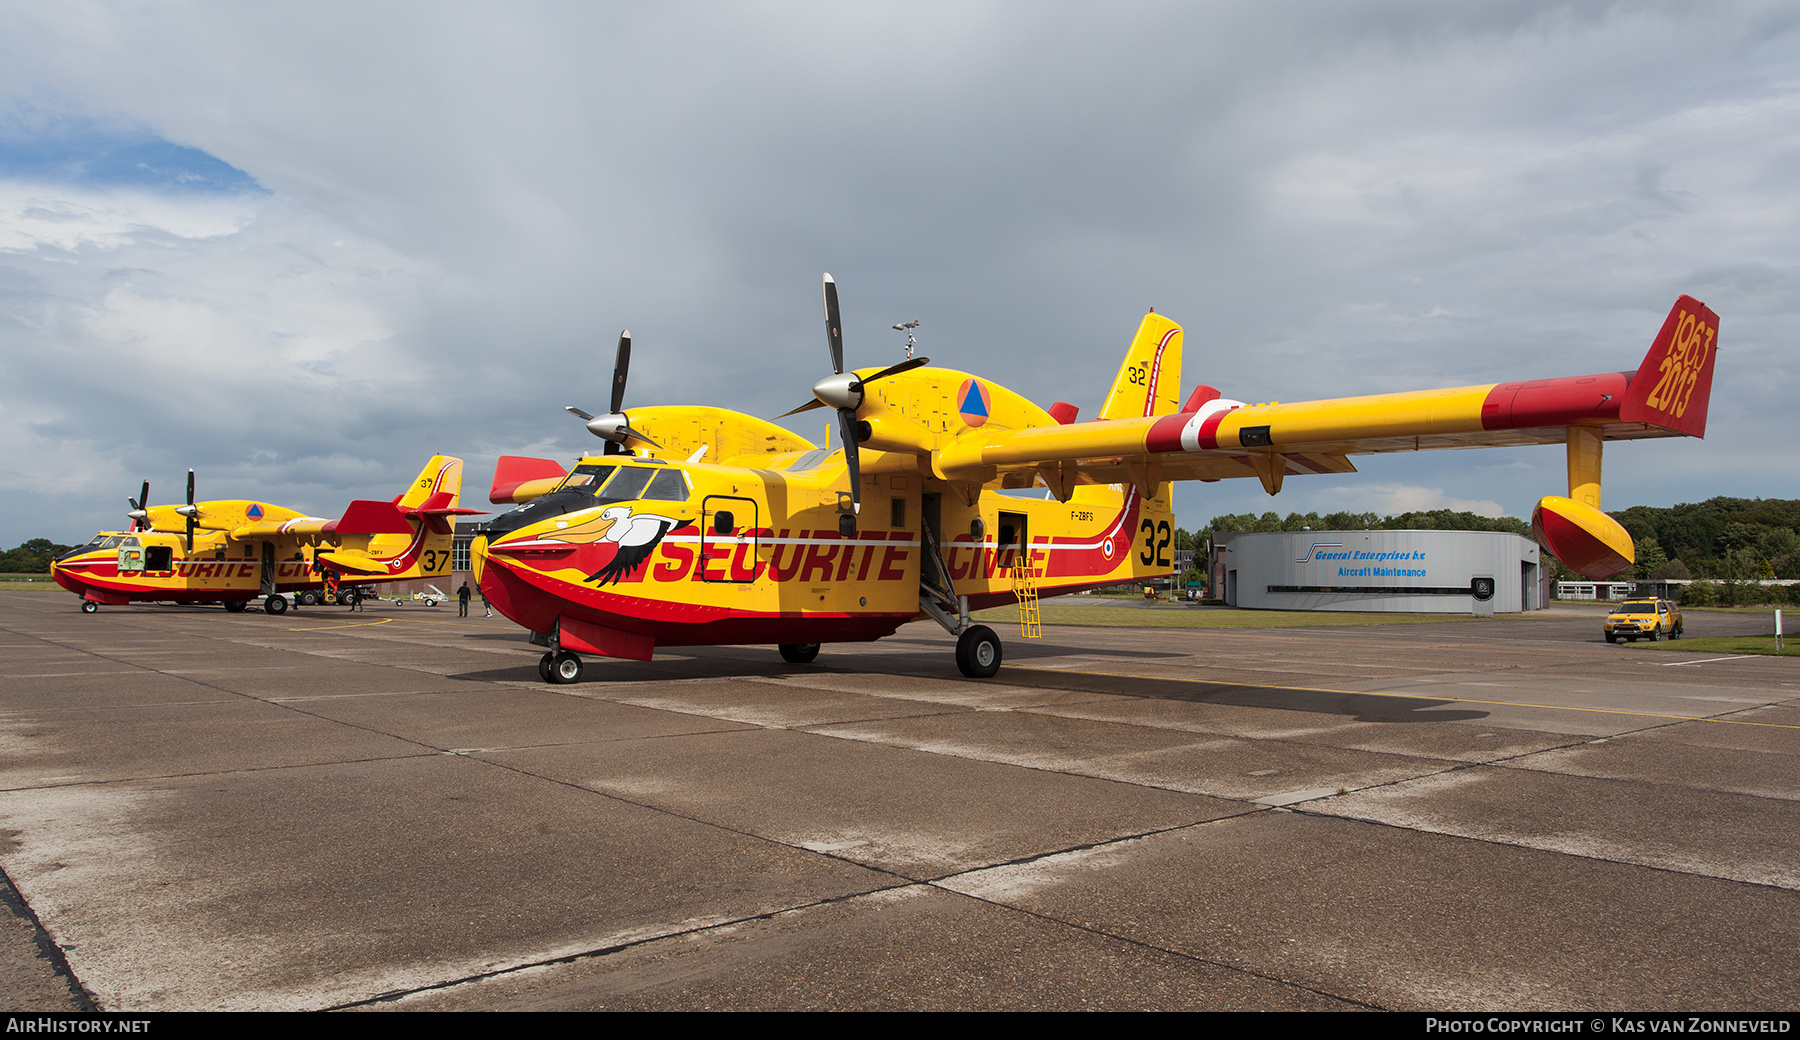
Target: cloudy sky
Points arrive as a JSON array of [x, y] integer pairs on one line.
[[301, 247]]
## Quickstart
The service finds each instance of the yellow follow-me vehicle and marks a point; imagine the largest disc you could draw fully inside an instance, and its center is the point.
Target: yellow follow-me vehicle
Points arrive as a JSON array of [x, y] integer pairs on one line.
[[1650, 619], [231, 551], [704, 526]]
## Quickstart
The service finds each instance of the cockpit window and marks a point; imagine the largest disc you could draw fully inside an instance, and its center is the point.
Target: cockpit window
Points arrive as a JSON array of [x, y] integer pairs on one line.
[[633, 483], [667, 487], [113, 542], [627, 484], [588, 478]]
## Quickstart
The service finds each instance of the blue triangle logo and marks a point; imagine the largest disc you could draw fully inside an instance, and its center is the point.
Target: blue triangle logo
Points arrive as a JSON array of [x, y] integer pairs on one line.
[[254, 512], [973, 404]]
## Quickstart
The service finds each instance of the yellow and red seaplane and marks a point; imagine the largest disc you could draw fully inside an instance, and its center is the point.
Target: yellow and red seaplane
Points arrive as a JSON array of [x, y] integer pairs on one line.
[[232, 551], [704, 526]]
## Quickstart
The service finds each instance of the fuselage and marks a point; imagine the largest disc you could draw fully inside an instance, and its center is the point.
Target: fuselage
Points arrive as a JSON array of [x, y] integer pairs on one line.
[[699, 554]]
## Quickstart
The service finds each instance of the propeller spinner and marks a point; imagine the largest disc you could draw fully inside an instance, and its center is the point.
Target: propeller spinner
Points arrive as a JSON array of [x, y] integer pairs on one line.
[[843, 391], [614, 428], [140, 509]]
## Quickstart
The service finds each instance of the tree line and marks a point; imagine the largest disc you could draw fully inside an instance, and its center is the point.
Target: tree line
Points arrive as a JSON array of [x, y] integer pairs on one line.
[[31, 558]]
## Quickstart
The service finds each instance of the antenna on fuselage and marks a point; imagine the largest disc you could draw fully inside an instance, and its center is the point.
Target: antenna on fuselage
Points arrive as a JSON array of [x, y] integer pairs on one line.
[[907, 327]]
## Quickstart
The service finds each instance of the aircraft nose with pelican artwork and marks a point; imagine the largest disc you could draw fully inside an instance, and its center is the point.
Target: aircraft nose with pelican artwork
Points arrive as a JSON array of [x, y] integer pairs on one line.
[[705, 526]]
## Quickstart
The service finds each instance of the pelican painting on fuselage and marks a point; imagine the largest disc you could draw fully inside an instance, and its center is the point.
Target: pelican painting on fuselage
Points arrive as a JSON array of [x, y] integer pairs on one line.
[[706, 526]]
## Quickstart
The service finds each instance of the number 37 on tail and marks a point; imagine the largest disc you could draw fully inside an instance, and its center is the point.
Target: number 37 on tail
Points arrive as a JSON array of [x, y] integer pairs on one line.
[[705, 526]]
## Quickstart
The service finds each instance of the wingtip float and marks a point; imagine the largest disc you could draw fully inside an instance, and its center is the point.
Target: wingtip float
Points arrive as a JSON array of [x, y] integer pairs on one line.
[[769, 543]]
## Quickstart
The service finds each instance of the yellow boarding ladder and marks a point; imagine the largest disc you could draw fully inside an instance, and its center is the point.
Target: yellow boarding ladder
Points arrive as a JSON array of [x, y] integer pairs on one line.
[[1024, 585]]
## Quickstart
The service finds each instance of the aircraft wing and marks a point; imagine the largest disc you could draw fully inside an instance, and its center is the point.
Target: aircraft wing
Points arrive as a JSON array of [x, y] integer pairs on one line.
[[1666, 397]]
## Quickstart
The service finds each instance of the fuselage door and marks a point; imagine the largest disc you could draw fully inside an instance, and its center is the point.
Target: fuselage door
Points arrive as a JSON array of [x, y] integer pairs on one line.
[[730, 539], [268, 568], [131, 557]]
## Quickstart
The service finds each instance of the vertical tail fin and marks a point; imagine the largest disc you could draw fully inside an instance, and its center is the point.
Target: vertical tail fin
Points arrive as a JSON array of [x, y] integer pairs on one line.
[[1674, 384], [438, 485], [1150, 378]]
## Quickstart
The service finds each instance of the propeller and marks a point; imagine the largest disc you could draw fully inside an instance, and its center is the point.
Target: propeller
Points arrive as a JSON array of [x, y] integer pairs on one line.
[[190, 512], [844, 390], [140, 506], [614, 428]]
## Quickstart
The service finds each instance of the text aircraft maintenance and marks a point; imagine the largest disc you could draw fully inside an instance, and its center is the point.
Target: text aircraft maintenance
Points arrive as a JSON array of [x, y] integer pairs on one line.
[[230, 552], [703, 526]]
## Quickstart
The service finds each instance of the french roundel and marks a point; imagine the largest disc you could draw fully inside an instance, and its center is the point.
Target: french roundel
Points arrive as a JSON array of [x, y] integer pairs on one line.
[[1106, 548], [973, 402]]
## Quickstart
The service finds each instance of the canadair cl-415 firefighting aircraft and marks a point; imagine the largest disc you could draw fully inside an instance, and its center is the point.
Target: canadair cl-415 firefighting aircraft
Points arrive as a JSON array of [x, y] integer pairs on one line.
[[702, 526], [233, 551]]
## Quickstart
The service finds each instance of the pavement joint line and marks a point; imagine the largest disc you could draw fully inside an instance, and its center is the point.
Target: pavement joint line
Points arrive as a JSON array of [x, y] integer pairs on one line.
[[47, 947], [1501, 843], [1710, 660], [1412, 696], [606, 951], [1141, 943], [932, 883], [353, 624]]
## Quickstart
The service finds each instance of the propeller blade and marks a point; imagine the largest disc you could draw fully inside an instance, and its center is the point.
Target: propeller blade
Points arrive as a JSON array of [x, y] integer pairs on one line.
[[636, 434], [904, 366], [191, 523], [621, 363], [577, 413], [847, 433], [807, 407], [834, 331], [190, 487]]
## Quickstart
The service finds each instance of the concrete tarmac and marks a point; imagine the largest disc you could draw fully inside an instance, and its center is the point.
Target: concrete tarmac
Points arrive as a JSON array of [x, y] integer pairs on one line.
[[389, 811]]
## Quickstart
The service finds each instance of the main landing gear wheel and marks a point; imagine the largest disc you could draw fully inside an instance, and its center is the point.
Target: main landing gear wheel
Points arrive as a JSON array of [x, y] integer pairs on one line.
[[978, 652], [235, 606], [565, 668], [799, 653], [88, 606], [544, 663], [275, 605]]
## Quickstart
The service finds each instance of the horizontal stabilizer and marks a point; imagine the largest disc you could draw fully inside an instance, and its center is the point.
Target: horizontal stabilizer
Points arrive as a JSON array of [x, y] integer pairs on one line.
[[511, 471], [368, 517], [1674, 384]]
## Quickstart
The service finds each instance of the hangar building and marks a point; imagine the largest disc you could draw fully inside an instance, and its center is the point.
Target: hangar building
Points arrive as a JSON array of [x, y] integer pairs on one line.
[[1448, 572]]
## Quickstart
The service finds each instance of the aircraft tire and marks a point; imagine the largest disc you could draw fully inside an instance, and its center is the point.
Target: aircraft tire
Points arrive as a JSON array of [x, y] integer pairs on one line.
[[235, 606], [799, 653], [544, 663], [276, 605], [978, 652], [88, 606], [565, 668]]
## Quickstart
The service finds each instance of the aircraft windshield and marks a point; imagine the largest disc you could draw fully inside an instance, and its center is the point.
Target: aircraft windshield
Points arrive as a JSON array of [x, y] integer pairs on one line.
[[588, 478], [645, 483]]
